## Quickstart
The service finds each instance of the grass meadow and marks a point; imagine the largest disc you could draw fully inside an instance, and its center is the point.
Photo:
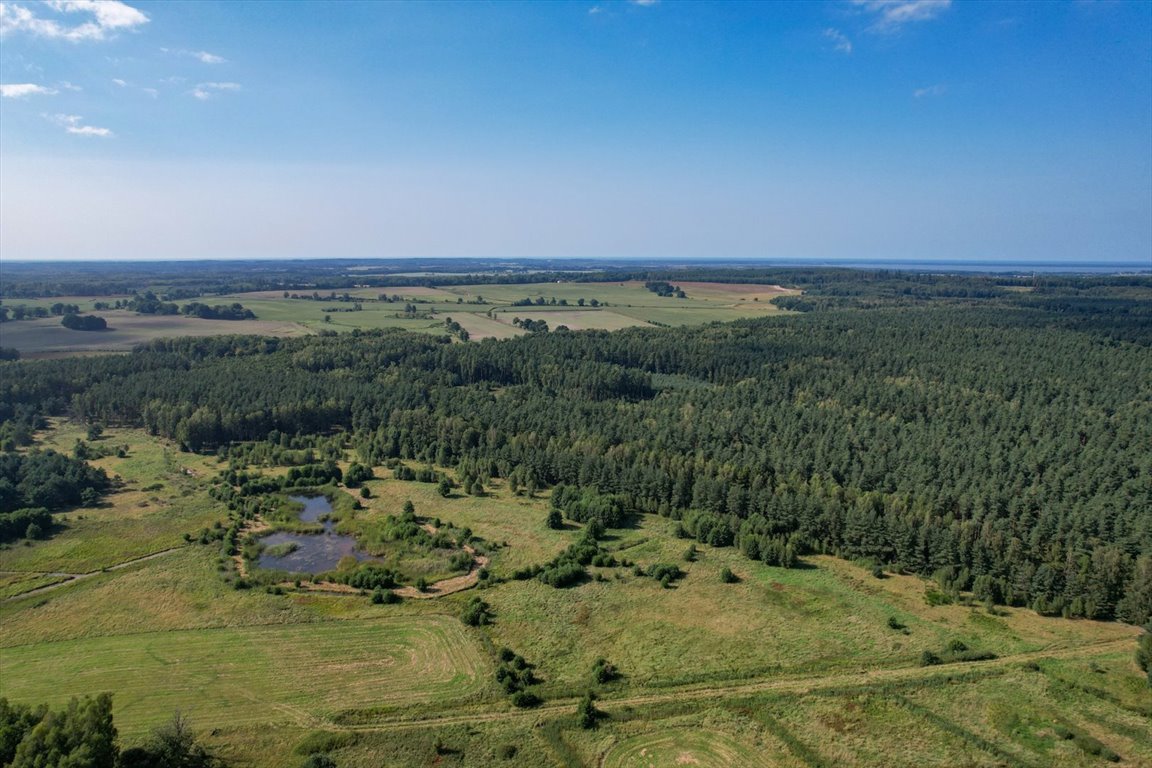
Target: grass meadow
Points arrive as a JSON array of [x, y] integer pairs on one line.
[[783, 668]]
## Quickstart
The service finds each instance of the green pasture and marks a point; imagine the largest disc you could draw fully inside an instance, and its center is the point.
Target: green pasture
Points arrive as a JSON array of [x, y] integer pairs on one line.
[[160, 500], [253, 675], [262, 675]]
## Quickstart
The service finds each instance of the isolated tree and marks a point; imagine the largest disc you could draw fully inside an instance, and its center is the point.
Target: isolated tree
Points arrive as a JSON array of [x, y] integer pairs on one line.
[[1144, 652], [555, 520], [587, 714], [603, 671]]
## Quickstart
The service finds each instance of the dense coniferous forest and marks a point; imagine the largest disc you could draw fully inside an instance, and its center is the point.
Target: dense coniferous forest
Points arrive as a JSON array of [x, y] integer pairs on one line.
[[998, 442]]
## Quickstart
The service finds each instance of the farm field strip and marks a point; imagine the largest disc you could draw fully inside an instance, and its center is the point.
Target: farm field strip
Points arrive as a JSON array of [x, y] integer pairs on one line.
[[254, 675]]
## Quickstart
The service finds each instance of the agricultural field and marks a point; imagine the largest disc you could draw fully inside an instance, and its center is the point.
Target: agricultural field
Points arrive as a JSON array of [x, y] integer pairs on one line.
[[45, 337], [785, 667], [485, 311]]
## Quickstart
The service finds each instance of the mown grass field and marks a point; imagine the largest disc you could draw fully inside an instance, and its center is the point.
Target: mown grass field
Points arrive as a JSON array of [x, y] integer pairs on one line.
[[297, 673], [692, 746], [784, 668]]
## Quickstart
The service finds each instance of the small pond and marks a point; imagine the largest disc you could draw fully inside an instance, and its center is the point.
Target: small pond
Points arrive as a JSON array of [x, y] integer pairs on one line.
[[314, 552]]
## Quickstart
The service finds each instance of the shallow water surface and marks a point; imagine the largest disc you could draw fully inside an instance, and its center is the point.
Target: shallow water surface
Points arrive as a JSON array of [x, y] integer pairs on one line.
[[315, 552]]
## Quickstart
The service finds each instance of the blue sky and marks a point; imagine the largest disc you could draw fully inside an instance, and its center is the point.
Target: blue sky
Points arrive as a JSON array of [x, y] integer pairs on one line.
[[854, 129]]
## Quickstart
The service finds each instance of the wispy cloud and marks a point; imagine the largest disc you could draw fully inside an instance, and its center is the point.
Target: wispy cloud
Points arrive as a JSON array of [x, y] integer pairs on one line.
[[892, 15], [105, 18], [22, 90], [132, 86], [840, 41], [203, 56], [645, 3], [72, 124], [933, 90], [205, 91], [595, 10]]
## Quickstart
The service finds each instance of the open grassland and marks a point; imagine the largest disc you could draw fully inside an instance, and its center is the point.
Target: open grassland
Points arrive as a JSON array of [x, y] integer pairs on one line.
[[13, 583], [1003, 716], [181, 590], [831, 616], [248, 675], [690, 746], [498, 517], [785, 668], [46, 337], [1027, 714], [161, 499]]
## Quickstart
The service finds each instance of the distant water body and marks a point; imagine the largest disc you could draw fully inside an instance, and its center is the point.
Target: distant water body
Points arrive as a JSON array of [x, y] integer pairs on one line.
[[995, 267]]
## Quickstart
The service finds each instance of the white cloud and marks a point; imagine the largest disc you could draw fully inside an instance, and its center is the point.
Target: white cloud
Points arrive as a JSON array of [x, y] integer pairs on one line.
[[72, 124], [932, 90], [205, 91], [891, 15], [20, 90], [69, 86], [106, 18], [203, 56], [132, 86], [595, 10], [646, 3], [840, 41]]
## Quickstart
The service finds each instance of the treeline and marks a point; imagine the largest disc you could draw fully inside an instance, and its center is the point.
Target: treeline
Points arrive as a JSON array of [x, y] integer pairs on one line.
[[83, 734], [1002, 451], [84, 322], [233, 311], [48, 479], [21, 312]]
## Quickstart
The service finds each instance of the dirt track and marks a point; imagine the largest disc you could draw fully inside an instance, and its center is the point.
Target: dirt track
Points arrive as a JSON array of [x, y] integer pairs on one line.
[[794, 685], [72, 578]]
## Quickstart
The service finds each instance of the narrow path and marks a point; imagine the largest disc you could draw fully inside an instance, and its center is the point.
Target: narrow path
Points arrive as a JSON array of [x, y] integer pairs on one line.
[[72, 578], [801, 685], [449, 585]]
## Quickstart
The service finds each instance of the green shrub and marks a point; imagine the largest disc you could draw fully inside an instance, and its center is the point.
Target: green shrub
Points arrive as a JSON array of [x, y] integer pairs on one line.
[[325, 741]]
